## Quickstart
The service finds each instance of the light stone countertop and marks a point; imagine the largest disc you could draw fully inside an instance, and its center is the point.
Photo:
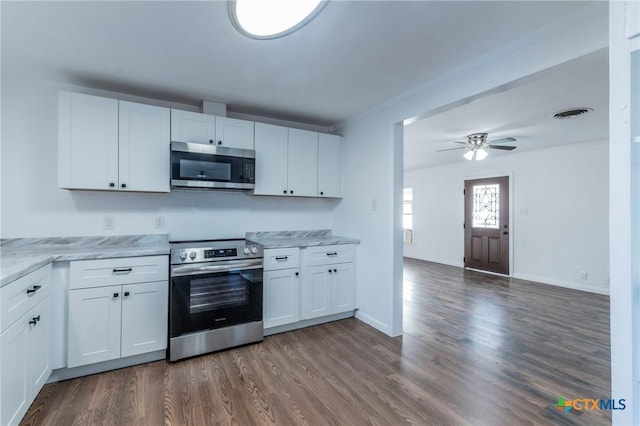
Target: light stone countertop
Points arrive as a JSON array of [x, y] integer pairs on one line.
[[21, 256], [282, 239]]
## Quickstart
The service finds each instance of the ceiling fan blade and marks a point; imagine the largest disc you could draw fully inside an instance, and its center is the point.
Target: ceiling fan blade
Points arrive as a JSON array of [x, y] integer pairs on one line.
[[450, 149], [506, 148], [503, 140]]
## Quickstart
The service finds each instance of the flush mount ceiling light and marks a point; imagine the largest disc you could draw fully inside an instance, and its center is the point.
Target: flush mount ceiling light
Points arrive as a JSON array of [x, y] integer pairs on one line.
[[268, 19]]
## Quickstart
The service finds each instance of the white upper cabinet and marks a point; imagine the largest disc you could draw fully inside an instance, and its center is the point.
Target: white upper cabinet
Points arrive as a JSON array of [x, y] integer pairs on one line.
[[329, 165], [87, 142], [144, 148], [296, 162], [234, 133], [271, 159], [302, 167], [194, 127], [106, 144]]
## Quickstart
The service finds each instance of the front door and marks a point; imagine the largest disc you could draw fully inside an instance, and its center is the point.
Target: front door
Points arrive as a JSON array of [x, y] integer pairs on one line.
[[486, 224]]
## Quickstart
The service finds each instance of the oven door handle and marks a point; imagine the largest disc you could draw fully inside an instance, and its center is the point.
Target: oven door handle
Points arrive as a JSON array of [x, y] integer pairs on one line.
[[232, 265]]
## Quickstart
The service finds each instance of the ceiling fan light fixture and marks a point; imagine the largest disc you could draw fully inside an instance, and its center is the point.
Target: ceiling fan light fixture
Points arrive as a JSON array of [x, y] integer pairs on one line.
[[481, 154], [269, 19], [470, 154]]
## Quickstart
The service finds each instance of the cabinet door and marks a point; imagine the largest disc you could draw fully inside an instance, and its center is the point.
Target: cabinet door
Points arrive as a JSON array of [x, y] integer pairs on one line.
[[343, 294], [317, 291], [281, 297], [94, 325], [39, 365], [187, 126], [144, 317], [329, 165], [14, 361], [144, 148], [303, 163], [87, 142], [271, 159], [234, 133]]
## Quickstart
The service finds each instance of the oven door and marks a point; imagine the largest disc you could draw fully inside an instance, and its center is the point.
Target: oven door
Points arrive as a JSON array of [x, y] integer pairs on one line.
[[210, 166], [213, 295]]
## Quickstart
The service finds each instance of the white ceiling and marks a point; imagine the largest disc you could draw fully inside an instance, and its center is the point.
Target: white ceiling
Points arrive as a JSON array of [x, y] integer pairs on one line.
[[354, 55], [523, 112]]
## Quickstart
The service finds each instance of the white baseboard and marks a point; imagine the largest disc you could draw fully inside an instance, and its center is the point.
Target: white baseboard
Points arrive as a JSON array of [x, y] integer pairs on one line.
[[565, 284], [441, 261], [378, 325]]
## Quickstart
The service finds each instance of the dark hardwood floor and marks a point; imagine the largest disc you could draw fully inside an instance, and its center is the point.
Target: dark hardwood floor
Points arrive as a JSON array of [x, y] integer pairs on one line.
[[477, 350]]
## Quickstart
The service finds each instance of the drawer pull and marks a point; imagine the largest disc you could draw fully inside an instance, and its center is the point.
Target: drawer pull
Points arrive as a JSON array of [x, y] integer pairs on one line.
[[116, 295], [122, 270], [34, 289], [126, 294], [332, 254], [281, 258], [34, 320]]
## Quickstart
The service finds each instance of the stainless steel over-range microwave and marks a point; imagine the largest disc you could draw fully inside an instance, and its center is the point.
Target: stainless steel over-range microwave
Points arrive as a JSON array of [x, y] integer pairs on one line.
[[200, 166]]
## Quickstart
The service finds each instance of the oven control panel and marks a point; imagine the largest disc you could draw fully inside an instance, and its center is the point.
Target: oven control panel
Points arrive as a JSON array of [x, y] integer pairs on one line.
[[211, 251], [210, 254]]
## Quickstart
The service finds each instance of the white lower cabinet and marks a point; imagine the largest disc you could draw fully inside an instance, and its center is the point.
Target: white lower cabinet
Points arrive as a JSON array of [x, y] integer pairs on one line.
[[15, 373], [329, 289], [281, 287], [24, 345], [328, 280], [144, 318], [94, 325], [281, 297], [107, 322], [317, 292]]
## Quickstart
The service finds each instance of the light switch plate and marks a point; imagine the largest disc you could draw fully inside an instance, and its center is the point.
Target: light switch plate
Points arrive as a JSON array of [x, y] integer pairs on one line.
[[159, 222], [108, 223]]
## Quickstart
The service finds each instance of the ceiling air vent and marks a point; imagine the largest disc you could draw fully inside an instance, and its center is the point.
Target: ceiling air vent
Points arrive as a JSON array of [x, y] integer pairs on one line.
[[571, 113]]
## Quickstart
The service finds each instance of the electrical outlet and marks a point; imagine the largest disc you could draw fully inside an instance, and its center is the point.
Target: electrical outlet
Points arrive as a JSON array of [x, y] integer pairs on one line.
[[108, 223], [583, 275], [158, 222]]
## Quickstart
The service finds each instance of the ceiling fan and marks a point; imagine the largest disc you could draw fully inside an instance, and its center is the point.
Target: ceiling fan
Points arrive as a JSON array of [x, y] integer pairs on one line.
[[477, 145]]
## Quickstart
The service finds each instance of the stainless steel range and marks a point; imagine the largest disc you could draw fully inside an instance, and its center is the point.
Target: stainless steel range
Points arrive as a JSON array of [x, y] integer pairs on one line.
[[216, 296]]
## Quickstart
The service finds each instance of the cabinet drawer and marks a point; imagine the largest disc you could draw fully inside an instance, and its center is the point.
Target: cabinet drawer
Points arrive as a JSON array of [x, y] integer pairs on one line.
[[283, 258], [23, 294], [324, 255], [125, 270]]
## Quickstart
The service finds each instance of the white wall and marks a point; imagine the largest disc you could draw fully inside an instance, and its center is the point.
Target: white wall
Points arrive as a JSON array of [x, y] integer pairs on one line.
[[625, 215], [560, 213], [33, 205], [371, 149]]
